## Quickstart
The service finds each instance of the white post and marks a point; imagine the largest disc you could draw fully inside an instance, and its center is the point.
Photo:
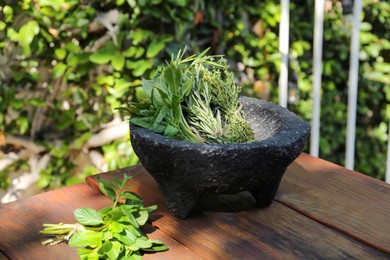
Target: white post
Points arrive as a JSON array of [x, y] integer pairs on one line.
[[317, 74], [353, 85], [284, 50], [387, 178]]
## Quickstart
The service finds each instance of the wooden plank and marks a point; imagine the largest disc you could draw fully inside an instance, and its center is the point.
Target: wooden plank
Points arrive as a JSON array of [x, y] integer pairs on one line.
[[231, 227], [22, 220], [350, 202], [3, 256]]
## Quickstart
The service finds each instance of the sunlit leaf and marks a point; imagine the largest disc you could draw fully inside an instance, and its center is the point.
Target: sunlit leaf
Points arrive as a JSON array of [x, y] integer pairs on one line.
[[88, 216], [86, 238], [154, 48], [118, 61], [101, 57], [59, 70]]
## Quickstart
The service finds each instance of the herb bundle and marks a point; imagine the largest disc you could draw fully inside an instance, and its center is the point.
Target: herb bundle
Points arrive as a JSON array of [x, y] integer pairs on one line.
[[112, 232], [193, 99]]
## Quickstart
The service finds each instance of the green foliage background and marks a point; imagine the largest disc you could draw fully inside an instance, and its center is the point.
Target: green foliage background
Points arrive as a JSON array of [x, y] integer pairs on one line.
[[66, 64]]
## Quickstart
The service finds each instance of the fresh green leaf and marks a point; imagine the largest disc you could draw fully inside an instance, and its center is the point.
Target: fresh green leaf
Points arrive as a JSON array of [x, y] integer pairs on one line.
[[125, 237], [115, 250], [2, 25], [160, 116], [141, 216], [144, 122], [154, 48], [130, 196], [59, 70], [107, 183], [151, 208], [130, 52], [170, 131], [172, 77], [141, 243], [60, 53], [116, 214], [117, 181], [101, 57], [88, 216], [86, 238], [157, 246], [118, 61], [27, 33], [116, 227], [128, 212]]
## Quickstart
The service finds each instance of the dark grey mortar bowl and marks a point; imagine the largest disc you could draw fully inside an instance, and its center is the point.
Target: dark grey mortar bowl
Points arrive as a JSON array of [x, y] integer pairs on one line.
[[184, 171]]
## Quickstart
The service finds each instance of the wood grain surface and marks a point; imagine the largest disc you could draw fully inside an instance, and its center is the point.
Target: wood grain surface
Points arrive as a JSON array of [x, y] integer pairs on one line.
[[350, 202], [231, 227]]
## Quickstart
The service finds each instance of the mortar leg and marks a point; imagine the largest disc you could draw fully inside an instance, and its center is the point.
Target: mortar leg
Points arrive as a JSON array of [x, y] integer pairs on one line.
[[264, 194]]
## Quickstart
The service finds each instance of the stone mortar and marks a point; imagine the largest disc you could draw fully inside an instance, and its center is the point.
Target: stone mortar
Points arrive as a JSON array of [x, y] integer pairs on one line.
[[184, 171]]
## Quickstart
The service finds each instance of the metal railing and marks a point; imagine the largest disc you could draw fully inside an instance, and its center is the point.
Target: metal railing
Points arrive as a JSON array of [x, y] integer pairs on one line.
[[317, 75]]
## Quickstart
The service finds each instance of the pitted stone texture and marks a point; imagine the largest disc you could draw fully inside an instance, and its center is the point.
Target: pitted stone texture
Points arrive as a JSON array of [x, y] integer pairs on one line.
[[185, 171]]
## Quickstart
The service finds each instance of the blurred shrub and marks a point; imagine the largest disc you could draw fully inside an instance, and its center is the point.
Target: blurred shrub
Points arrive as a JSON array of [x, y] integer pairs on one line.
[[66, 64]]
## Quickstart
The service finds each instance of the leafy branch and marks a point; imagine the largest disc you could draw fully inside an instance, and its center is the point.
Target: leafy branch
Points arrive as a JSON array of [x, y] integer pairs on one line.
[[109, 233]]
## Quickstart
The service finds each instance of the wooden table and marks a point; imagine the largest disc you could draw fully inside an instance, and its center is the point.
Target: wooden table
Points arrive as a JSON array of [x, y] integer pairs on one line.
[[321, 211]]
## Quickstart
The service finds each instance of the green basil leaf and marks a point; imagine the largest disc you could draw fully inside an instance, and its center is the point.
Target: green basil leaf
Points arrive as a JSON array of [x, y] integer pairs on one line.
[[141, 243], [107, 183], [105, 248], [115, 250], [129, 215], [126, 178], [107, 191], [135, 256], [88, 216], [106, 235], [170, 131], [125, 237], [141, 121], [116, 227], [86, 238], [105, 210], [141, 216], [157, 246], [131, 196], [115, 214], [116, 180], [160, 116], [84, 252], [151, 208]]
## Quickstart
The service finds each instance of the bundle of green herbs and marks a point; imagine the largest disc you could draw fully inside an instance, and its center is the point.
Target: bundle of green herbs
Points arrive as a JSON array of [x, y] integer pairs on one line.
[[193, 99], [109, 233]]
